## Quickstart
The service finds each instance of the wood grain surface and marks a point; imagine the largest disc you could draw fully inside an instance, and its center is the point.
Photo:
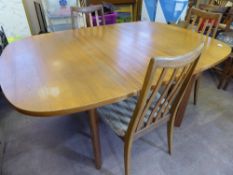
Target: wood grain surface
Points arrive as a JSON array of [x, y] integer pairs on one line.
[[77, 70]]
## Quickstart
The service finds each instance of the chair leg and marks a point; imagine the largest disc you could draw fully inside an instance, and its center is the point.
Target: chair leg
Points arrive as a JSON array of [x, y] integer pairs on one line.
[[93, 118], [196, 90], [221, 82], [229, 76], [226, 83], [127, 157], [223, 78], [170, 128]]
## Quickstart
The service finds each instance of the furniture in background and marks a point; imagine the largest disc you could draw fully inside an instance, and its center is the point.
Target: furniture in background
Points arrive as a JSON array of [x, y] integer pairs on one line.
[[228, 20], [40, 17], [207, 24], [227, 14], [227, 72], [86, 15], [136, 116], [98, 66], [221, 3], [135, 4], [59, 17]]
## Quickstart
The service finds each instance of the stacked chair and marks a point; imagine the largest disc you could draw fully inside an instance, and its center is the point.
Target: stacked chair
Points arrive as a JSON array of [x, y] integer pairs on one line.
[[83, 14]]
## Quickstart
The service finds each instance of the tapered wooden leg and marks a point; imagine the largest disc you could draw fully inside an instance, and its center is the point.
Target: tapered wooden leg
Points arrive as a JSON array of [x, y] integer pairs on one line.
[[93, 118], [228, 79], [196, 90], [170, 127], [225, 72], [127, 157], [184, 103]]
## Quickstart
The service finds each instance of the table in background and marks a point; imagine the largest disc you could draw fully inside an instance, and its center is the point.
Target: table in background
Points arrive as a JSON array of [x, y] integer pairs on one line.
[[79, 70]]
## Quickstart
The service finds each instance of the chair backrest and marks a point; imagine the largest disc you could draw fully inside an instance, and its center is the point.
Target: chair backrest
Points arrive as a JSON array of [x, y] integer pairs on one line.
[[177, 72], [81, 3], [221, 3], [87, 12], [213, 8], [204, 22]]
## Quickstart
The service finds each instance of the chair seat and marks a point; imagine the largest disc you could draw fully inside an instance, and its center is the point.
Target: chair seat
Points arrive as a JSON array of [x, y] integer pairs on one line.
[[118, 115]]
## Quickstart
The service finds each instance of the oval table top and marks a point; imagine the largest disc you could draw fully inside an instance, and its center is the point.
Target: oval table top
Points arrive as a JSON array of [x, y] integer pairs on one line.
[[76, 70]]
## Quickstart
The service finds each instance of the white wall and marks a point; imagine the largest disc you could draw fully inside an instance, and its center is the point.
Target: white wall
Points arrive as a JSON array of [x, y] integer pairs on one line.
[[13, 18]]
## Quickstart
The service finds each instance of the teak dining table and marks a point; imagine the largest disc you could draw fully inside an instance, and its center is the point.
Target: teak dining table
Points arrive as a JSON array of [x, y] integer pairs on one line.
[[80, 70]]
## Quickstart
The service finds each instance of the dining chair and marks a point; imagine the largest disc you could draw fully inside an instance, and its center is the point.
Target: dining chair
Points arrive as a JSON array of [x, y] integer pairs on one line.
[[227, 14], [157, 103], [229, 19], [205, 23], [88, 19]]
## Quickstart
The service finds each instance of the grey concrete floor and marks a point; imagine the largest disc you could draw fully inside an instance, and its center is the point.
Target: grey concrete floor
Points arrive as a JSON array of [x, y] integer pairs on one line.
[[61, 145]]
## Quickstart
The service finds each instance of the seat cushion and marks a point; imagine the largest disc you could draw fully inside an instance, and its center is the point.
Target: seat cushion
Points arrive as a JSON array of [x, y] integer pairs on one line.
[[118, 115]]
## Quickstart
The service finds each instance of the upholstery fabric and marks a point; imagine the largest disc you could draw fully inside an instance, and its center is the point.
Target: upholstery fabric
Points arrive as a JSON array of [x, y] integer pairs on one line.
[[118, 115]]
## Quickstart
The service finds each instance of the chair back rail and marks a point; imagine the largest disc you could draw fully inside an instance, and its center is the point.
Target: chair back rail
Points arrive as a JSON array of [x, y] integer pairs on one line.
[[87, 14], [221, 3], [180, 70], [203, 22]]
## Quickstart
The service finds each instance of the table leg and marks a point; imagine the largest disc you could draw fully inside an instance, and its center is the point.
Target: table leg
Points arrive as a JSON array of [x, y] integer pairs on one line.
[[184, 102], [94, 127]]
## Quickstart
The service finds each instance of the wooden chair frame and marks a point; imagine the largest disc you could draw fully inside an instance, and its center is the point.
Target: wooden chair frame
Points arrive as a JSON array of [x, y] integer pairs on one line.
[[227, 14], [82, 3], [196, 16], [87, 11], [179, 70], [221, 3]]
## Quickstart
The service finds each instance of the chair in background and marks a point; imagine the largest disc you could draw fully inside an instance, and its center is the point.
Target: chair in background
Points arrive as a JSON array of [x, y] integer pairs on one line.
[[205, 23], [82, 3], [227, 14], [228, 20], [132, 118], [224, 28], [40, 17], [221, 3], [86, 13]]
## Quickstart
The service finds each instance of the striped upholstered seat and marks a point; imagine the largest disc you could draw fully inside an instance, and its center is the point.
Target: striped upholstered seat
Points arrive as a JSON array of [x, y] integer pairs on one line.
[[118, 115]]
